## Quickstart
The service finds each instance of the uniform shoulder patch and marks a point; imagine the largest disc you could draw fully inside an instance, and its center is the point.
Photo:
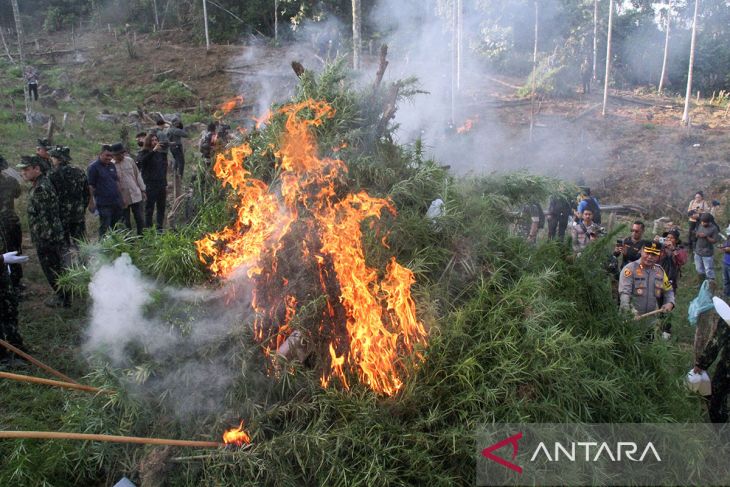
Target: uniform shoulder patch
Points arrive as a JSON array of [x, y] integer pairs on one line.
[[627, 272]]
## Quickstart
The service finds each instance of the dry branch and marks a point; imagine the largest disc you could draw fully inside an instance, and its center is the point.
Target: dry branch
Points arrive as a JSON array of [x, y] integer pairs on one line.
[[37, 363], [54, 383], [382, 66], [59, 435]]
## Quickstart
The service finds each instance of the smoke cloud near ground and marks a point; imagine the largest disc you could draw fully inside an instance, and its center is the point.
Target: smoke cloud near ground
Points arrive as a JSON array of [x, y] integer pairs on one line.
[[135, 321]]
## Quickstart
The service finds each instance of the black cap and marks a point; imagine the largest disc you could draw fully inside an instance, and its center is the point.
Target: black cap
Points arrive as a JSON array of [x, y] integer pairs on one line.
[[117, 148], [140, 134], [45, 143], [60, 152], [106, 147], [675, 232]]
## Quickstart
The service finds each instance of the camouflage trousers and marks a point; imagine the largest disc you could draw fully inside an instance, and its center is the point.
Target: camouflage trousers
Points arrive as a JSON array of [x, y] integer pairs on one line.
[[51, 261], [8, 315], [12, 237], [74, 230]]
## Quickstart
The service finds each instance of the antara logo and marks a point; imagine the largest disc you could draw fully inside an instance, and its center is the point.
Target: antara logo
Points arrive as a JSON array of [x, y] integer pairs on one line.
[[589, 451], [512, 440]]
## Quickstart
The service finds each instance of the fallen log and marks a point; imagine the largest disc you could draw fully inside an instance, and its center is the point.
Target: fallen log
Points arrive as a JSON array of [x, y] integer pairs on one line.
[[59, 435]]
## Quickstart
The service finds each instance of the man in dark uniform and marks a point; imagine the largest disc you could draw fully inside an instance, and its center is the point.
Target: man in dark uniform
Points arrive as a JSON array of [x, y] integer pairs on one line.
[[46, 230], [72, 189], [630, 247], [10, 232], [41, 151], [9, 307], [558, 214]]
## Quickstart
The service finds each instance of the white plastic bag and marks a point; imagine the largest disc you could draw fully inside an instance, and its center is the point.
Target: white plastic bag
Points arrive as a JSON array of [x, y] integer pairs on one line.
[[699, 383]]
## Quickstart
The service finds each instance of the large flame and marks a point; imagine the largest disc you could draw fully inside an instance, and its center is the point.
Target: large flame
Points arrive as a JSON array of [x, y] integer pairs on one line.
[[368, 321], [236, 436]]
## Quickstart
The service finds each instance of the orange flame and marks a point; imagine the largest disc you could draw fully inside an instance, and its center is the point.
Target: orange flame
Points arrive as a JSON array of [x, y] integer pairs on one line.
[[262, 120], [468, 125], [226, 107], [369, 322], [236, 436]]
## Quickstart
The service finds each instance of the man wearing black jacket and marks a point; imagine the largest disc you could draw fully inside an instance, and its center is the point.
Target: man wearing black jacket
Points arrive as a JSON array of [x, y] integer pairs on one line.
[[152, 163]]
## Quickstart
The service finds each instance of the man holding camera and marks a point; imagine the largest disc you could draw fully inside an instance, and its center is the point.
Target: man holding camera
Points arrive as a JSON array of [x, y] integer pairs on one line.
[[630, 247]]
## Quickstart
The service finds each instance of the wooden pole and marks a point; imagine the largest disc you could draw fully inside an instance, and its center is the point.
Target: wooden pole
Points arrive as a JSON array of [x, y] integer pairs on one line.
[[646, 315], [205, 19], [356, 34], [276, 20], [595, 38], [608, 57], [685, 115], [60, 435], [54, 383], [35, 362]]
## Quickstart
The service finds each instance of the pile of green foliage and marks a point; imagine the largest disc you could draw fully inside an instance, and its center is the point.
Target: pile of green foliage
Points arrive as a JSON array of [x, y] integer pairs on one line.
[[518, 333]]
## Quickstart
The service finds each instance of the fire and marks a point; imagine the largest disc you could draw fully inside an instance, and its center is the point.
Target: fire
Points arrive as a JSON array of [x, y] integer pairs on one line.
[[236, 436], [307, 226], [468, 125], [262, 120], [226, 107]]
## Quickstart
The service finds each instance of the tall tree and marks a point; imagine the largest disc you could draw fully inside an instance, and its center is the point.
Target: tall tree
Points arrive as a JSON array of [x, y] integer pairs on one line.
[[356, 30], [668, 26], [19, 31], [205, 20], [595, 38], [688, 95], [608, 57], [534, 73]]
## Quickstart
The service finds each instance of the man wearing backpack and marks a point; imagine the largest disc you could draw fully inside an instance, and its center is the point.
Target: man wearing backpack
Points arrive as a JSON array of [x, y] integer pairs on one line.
[[588, 202], [582, 231]]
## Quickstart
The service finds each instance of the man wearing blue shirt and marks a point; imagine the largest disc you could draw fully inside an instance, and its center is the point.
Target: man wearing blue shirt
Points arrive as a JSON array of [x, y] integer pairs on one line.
[[105, 192]]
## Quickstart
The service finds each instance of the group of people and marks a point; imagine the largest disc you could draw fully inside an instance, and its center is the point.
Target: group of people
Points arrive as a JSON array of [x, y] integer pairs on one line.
[[646, 272]]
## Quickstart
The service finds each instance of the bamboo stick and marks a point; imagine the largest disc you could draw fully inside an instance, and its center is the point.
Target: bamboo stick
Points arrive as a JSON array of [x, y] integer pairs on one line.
[[651, 313], [60, 435], [54, 383], [37, 363]]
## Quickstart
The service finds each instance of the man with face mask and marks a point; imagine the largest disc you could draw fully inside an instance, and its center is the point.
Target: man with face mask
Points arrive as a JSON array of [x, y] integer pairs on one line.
[[644, 284]]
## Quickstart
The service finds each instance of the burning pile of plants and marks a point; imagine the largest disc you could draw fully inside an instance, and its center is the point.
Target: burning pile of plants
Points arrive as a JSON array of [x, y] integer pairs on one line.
[[466, 323]]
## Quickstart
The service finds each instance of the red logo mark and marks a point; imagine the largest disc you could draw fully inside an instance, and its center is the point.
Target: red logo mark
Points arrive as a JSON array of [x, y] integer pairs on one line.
[[512, 440]]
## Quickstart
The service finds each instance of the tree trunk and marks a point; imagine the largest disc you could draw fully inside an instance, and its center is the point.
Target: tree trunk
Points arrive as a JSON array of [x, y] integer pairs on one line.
[[276, 20], [459, 41], [454, 59], [19, 31], [534, 74], [685, 115], [595, 38], [205, 19], [608, 57], [157, 17], [356, 30], [663, 77]]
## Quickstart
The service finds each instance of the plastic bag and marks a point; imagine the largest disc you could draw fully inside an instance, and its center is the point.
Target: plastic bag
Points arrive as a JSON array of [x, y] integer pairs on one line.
[[701, 303], [699, 383]]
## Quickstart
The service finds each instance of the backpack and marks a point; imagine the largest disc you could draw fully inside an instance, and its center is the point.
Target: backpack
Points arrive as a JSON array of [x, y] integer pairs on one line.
[[592, 204]]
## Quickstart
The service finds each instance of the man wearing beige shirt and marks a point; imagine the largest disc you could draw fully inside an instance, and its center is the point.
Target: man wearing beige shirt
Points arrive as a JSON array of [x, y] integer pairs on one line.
[[132, 187]]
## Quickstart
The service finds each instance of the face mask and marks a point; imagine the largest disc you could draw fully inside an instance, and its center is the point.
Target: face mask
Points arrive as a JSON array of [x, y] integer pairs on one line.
[[140, 143]]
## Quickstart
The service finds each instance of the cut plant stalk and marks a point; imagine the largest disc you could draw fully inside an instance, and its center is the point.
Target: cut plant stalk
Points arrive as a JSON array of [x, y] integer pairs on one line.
[[59, 435], [37, 363], [54, 383]]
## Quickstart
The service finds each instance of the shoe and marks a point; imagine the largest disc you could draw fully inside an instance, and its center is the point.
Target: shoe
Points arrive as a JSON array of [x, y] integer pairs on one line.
[[666, 336]]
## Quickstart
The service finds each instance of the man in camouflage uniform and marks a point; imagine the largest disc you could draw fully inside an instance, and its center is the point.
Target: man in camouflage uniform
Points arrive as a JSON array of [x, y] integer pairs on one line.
[[643, 284], [46, 230], [11, 235], [41, 152], [72, 189], [9, 307]]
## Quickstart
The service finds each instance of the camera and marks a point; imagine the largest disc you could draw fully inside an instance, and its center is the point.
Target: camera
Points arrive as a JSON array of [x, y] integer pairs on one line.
[[661, 240]]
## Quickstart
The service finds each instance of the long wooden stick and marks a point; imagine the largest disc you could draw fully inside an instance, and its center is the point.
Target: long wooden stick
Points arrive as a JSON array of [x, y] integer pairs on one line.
[[37, 363], [60, 435], [651, 313], [54, 383]]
